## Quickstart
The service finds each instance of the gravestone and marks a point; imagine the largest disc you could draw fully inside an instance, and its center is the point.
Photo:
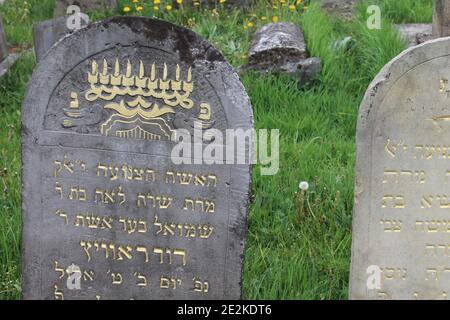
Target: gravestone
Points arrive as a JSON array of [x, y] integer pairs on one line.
[[6, 59], [84, 5], [401, 221], [107, 212], [47, 33]]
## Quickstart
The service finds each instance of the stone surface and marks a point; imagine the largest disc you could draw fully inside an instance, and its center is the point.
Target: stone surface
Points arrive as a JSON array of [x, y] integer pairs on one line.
[[343, 8], [276, 44], [102, 197], [47, 33], [414, 32], [3, 43], [400, 223], [281, 48], [85, 6], [441, 18]]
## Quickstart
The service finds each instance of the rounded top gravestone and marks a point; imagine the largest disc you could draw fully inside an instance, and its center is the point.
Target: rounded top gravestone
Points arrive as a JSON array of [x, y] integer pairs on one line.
[[401, 218], [107, 213]]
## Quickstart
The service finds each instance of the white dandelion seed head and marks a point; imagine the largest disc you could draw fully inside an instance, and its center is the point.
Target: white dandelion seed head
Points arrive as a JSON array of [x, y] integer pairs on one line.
[[303, 185]]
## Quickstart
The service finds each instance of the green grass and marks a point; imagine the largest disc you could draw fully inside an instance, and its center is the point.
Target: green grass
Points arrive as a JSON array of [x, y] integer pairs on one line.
[[292, 252]]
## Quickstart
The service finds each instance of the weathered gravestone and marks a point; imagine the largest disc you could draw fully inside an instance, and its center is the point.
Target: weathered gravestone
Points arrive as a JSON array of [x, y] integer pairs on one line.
[[106, 212], [402, 204], [84, 5]]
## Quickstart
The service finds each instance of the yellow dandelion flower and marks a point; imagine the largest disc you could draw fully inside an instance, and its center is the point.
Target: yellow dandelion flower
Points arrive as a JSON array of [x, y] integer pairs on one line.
[[292, 7], [180, 1], [139, 8], [305, 8], [156, 8], [126, 9], [250, 24], [222, 1], [298, 2], [168, 7], [274, 19], [263, 18], [156, 1], [134, 1]]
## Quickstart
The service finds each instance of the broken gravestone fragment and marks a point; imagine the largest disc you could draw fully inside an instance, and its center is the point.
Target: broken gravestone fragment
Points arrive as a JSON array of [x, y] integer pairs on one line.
[[281, 48]]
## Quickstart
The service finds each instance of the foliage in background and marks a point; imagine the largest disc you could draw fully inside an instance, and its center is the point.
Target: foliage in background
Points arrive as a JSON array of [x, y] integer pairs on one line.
[[286, 258]]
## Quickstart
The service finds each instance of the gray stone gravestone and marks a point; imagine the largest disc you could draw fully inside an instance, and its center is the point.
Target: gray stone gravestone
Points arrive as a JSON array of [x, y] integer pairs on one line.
[[401, 221], [107, 214], [85, 6], [6, 59], [47, 33]]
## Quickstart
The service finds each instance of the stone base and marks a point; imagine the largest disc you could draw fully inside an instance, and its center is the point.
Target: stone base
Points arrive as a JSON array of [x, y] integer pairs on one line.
[[8, 62]]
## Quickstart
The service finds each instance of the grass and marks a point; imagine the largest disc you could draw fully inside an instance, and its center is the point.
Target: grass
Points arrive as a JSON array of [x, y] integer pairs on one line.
[[293, 251]]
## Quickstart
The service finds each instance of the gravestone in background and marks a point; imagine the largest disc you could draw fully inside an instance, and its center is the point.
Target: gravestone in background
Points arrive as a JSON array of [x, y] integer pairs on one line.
[[106, 212], [6, 59], [47, 33], [85, 6], [401, 222]]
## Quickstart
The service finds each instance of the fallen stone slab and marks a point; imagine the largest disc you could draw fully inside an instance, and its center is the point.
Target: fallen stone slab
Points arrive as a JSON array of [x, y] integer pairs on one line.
[[47, 33], [281, 48], [412, 33], [85, 6]]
